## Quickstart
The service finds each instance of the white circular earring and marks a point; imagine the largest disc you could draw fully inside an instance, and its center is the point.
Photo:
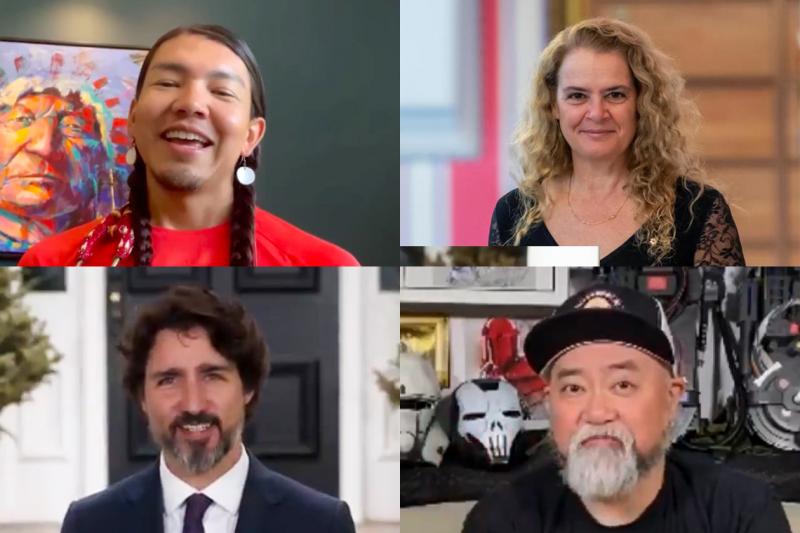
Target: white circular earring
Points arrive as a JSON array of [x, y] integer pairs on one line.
[[244, 174], [130, 155]]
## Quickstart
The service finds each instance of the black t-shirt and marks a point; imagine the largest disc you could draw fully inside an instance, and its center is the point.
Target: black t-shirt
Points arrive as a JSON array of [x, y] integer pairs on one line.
[[705, 232], [697, 497]]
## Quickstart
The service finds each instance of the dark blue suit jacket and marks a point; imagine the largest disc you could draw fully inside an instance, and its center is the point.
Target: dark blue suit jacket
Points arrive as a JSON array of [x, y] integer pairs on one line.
[[271, 503]]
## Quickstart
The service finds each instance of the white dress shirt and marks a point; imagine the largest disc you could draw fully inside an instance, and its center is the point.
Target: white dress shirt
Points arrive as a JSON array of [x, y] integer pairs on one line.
[[225, 491]]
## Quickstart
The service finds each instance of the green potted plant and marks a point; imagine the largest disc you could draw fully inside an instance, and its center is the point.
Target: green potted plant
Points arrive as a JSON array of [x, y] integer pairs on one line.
[[26, 354]]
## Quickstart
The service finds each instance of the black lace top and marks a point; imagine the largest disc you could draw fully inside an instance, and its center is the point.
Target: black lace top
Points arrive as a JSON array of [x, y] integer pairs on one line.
[[708, 238]]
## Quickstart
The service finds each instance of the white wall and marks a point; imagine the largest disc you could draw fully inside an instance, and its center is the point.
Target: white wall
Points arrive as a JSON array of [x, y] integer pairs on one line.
[[382, 337], [369, 448], [59, 449]]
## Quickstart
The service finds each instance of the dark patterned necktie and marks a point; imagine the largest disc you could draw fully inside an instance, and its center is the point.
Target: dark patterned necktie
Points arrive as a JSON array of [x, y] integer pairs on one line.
[[196, 506]]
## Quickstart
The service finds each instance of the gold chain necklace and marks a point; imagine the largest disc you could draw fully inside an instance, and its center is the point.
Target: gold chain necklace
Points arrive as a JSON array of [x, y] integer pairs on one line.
[[584, 222]]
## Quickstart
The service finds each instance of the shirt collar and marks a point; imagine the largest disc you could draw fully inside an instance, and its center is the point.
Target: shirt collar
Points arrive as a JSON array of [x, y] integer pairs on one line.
[[226, 490]]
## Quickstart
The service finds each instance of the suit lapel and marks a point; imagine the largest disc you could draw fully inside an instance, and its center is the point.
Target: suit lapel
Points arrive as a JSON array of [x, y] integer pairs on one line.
[[260, 501], [147, 503]]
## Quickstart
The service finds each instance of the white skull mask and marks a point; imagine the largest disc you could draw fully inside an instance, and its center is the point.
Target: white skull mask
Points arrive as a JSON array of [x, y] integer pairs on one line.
[[489, 416], [419, 392]]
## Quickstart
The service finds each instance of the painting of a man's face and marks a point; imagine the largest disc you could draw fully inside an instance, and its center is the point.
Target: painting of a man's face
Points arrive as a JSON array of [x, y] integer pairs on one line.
[[50, 153], [63, 136]]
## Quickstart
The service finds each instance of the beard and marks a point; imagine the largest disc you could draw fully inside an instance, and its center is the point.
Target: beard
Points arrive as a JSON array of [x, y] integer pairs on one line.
[[181, 179], [193, 456], [608, 472]]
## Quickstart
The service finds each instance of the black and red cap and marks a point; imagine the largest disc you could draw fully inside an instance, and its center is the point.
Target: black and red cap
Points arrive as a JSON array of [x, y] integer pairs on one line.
[[601, 313]]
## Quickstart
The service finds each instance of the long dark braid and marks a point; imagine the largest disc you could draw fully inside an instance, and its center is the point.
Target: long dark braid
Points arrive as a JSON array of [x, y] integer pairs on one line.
[[140, 210], [244, 196], [243, 218]]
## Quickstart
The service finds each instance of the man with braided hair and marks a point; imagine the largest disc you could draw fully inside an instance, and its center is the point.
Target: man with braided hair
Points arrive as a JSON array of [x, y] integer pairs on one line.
[[196, 121]]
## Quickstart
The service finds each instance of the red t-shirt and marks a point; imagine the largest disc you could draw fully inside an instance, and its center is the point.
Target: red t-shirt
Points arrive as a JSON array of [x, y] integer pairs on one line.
[[277, 243]]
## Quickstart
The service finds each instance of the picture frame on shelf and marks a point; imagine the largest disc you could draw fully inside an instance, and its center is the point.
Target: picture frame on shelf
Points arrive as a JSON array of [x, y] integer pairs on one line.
[[429, 336], [529, 286]]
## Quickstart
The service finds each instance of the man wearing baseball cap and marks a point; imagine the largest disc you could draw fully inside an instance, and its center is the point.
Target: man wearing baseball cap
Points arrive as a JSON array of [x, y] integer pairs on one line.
[[608, 357]]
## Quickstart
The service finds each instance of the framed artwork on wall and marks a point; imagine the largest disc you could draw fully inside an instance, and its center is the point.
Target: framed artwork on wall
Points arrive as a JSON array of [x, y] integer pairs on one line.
[[428, 335], [529, 286], [63, 136]]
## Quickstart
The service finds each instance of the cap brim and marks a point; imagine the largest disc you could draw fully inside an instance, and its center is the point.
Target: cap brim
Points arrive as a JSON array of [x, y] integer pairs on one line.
[[553, 337]]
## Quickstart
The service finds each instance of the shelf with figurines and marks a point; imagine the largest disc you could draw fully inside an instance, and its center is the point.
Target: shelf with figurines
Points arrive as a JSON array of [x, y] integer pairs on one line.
[[470, 407]]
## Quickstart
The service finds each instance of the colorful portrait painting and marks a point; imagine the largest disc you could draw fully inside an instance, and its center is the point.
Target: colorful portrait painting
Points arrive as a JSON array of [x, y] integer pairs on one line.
[[63, 136]]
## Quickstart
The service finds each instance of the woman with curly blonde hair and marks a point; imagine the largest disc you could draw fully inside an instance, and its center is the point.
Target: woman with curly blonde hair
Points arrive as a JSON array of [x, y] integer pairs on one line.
[[606, 161]]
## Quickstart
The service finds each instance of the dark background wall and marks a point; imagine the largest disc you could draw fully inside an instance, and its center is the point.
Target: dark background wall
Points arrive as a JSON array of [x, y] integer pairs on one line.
[[295, 428], [330, 161]]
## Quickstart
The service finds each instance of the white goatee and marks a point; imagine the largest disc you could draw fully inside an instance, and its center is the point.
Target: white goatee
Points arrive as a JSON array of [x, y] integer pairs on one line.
[[607, 472]]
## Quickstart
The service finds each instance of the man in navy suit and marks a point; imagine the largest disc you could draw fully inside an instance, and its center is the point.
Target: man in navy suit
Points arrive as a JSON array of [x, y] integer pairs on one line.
[[195, 364]]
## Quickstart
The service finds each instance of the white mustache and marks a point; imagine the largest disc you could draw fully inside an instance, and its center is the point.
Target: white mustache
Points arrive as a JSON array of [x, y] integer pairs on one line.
[[588, 431]]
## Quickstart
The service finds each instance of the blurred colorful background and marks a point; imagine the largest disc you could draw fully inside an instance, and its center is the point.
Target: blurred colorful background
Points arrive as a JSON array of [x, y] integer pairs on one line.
[[465, 69]]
